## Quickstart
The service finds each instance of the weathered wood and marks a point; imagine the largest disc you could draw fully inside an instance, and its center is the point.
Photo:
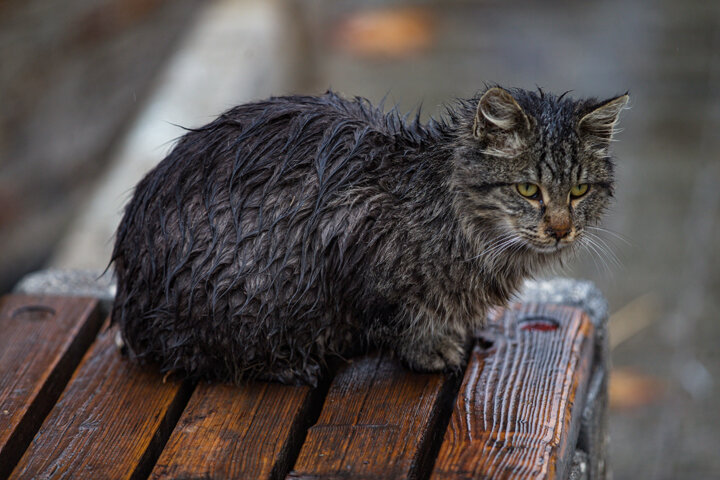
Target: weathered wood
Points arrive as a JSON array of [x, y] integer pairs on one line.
[[519, 408], [110, 422], [43, 339], [249, 431], [593, 438], [379, 421], [518, 414]]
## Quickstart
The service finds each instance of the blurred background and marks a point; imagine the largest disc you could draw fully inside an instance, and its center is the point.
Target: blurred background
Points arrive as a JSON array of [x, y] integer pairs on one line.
[[92, 91]]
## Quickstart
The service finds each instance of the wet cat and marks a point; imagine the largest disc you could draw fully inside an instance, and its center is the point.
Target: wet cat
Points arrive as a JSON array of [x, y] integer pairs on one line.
[[299, 228]]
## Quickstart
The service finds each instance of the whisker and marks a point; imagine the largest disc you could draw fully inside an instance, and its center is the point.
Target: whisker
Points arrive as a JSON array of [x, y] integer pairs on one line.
[[599, 252], [495, 244], [592, 250], [602, 245], [620, 237], [500, 246], [513, 243], [595, 255]]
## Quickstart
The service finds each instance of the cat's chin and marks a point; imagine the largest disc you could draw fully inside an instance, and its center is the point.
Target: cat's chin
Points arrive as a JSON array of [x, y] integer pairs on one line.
[[549, 249]]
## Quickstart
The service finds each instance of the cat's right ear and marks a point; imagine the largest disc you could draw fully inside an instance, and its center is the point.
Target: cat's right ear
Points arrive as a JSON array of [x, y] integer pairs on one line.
[[500, 123]]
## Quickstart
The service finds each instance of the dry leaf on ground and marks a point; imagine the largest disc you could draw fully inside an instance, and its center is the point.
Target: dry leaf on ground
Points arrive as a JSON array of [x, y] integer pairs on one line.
[[385, 33], [631, 389]]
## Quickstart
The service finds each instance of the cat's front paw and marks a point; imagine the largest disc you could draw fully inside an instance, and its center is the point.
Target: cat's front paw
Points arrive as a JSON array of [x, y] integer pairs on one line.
[[442, 355]]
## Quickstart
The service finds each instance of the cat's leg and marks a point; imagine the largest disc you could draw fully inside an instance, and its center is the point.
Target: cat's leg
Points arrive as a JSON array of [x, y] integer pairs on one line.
[[309, 373], [431, 345]]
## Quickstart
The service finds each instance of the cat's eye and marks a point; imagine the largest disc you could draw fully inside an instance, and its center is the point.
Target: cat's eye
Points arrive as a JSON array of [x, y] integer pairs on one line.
[[579, 190], [529, 190]]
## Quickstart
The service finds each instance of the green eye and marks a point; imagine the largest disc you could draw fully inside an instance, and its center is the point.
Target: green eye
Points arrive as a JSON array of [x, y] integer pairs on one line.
[[529, 190], [579, 190]]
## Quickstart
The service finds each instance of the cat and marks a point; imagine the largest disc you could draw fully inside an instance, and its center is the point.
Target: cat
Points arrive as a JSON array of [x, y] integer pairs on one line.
[[300, 228]]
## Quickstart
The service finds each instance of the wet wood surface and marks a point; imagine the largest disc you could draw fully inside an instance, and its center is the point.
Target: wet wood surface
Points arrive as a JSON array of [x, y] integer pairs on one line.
[[517, 414], [42, 340], [378, 421], [247, 431], [111, 421], [514, 413]]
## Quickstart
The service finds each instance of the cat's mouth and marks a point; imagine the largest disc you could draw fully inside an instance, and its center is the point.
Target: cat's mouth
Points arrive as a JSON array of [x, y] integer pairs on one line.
[[548, 246], [537, 242]]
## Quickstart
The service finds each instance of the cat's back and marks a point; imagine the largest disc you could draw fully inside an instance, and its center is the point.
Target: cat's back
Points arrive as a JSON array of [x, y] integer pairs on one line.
[[279, 139], [233, 227], [255, 185], [281, 144]]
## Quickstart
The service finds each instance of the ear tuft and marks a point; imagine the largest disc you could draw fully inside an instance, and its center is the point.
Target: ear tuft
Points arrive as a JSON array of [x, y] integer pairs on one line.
[[501, 123], [597, 127]]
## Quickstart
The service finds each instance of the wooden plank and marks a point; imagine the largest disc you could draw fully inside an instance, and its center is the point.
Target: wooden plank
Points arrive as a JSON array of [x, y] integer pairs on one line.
[[249, 431], [379, 421], [519, 409], [110, 422], [42, 341]]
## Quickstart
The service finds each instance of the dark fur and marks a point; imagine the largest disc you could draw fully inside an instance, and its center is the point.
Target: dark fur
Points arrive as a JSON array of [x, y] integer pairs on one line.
[[297, 228]]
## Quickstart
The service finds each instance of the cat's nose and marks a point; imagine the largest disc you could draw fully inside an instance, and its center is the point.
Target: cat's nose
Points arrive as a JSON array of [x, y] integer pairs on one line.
[[559, 230]]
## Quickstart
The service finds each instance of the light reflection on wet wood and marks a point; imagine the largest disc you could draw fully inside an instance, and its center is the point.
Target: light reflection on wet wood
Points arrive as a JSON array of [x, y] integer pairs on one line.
[[518, 411], [111, 421], [42, 341], [379, 421], [248, 431]]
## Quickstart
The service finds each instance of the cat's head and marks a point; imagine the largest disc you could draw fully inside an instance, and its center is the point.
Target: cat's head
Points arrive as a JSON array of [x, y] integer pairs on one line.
[[532, 170]]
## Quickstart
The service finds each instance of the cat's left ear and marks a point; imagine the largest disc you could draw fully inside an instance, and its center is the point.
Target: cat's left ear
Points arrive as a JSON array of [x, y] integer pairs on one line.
[[598, 126]]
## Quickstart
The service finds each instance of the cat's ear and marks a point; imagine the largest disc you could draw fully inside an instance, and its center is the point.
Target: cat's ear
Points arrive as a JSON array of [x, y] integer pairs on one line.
[[500, 123], [597, 127]]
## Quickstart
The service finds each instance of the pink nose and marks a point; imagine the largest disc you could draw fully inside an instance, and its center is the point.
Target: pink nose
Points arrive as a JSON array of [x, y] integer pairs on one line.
[[559, 230]]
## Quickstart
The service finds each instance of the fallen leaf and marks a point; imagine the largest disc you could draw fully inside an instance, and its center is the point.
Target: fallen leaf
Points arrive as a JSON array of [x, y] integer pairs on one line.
[[387, 33], [630, 389]]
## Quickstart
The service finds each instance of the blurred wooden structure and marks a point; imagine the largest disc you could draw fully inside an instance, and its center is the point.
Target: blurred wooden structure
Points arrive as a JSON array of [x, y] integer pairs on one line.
[[530, 404], [74, 74]]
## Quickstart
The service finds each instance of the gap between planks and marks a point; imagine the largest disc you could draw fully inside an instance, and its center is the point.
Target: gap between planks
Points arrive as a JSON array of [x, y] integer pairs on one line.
[[111, 420], [253, 430], [378, 421], [368, 411], [44, 338]]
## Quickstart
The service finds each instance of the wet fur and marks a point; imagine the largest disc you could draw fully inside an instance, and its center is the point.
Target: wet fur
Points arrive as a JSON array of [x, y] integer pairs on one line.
[[299, 228]]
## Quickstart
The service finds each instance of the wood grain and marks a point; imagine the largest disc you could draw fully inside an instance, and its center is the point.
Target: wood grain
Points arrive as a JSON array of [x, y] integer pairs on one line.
[[250, 431], [110, 422], [519, 408], [41, 342], [379, 421]]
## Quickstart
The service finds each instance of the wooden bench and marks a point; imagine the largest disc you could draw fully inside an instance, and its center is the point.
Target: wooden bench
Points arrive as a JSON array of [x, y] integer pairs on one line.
[[530, 404]]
